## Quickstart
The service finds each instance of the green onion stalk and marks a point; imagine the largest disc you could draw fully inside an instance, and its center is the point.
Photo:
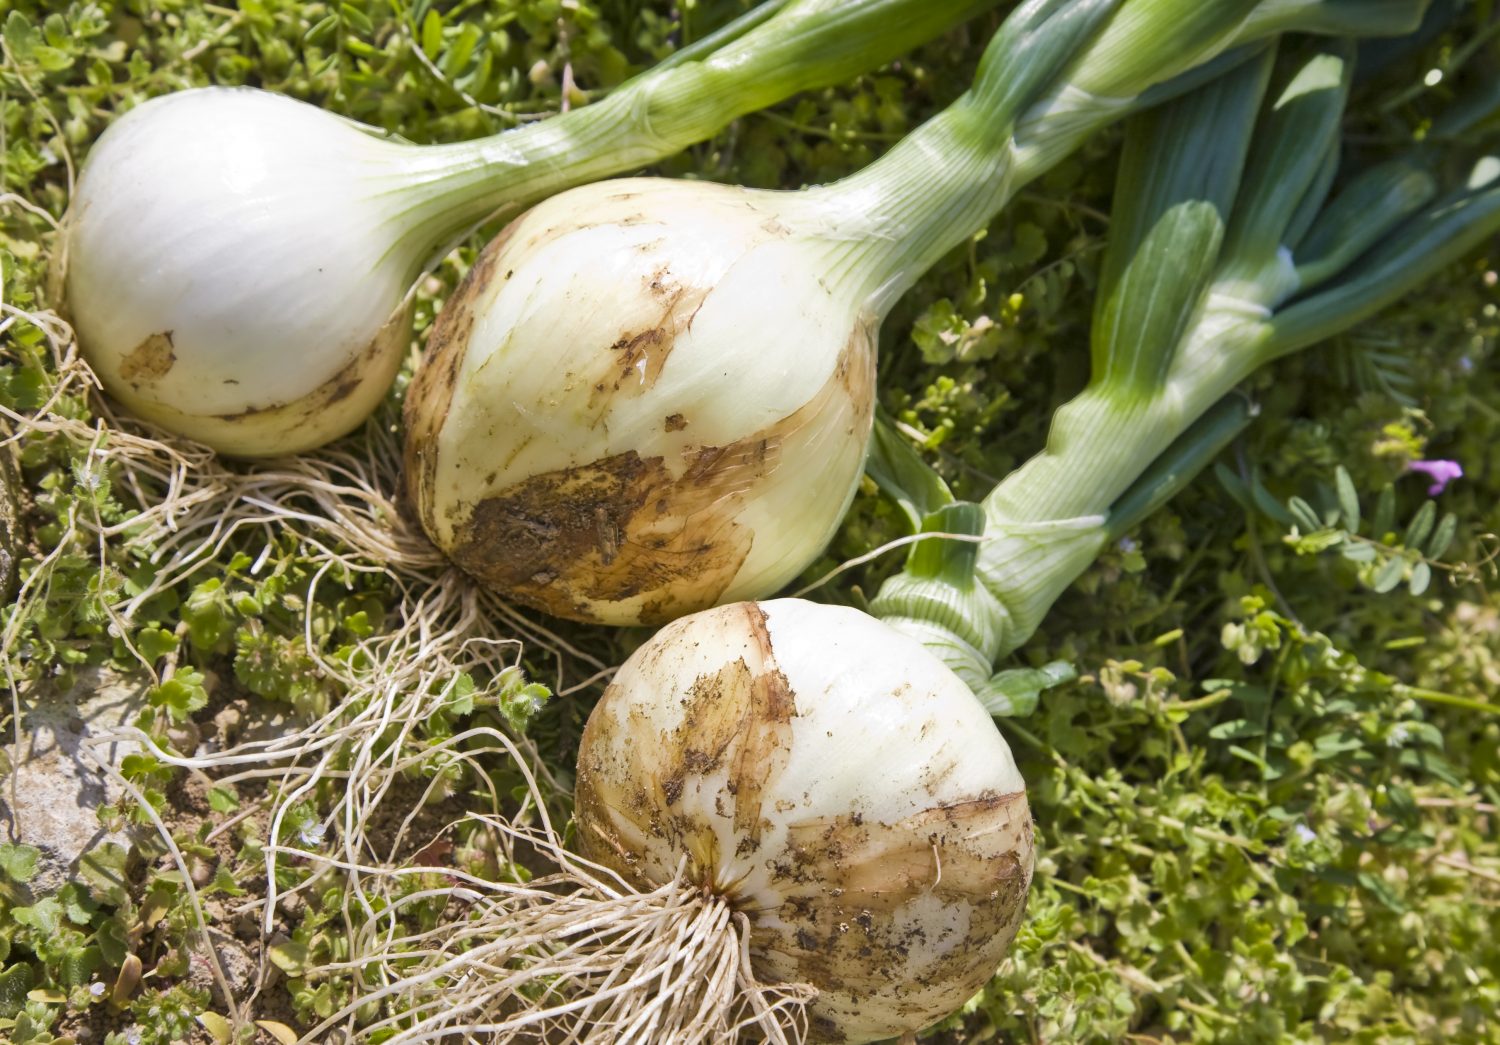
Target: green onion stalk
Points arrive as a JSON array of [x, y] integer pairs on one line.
[[1227, 252], [652, 453], [238, 262]]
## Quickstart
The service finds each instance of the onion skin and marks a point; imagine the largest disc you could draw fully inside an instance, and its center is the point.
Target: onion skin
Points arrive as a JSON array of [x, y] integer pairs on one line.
[[274, 323], [623, 408], [835, 783]]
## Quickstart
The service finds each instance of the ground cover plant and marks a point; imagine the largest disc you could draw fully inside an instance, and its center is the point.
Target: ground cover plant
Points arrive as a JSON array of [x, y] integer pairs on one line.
[[1265, 804]]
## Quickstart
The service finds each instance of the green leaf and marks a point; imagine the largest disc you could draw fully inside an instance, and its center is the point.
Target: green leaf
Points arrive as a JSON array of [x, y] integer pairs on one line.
[[1442, 537], [321, 30], [113, 940], [951, 561], [18, 862], [432, 33], [1288, 153], [52, 59], [1369, 207], [1385, 513], [1176, 186], [1421, 577], [1269, 505], [1389, 575], [1303, 512], [283, 1034], [103, 869], [1236, 729], [1014, 693], [180, 695], [1267, 772], [222, 800], [21, 36], [1033, 47], [1348, 498], [1377, 887], [1406, 257], [206, 613], [78, 965], [290, 956], [1358, 551], [896, 467], [1420, 527], [15, 983], [217, 1027], [357, 18], [45, 916], [456, 60], [155, 643], [1179, 464], [1234, 486]]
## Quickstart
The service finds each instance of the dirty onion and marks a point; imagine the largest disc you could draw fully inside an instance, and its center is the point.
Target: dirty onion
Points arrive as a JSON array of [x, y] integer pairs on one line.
[[835, 787], [651, 396], [239, 262]]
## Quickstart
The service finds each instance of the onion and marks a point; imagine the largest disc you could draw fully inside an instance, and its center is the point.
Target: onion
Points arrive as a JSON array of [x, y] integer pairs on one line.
[[672, 469], [236, 267], [833, 783], [238, 261]]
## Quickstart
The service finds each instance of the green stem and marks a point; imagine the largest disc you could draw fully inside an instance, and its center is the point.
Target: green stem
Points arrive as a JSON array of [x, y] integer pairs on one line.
[[804, 44], [1432, 696], [895, 219], [1056, 73]]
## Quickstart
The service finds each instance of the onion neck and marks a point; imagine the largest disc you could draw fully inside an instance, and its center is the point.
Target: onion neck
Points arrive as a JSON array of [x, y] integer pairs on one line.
[[806, 44], [1048, 521], [895, 219]]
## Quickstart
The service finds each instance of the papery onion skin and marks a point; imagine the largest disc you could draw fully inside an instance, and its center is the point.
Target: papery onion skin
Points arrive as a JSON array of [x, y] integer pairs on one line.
[[833, 781], [623, 408], [265, 327]]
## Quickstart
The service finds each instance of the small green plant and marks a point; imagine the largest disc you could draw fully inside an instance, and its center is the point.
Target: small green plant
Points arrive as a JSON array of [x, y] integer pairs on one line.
[[1329, 520]]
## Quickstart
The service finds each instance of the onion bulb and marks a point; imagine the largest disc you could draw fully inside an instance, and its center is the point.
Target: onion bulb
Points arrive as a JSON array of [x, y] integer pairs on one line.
[[830, 780], [607, 416], [238, 261], [237, 264]]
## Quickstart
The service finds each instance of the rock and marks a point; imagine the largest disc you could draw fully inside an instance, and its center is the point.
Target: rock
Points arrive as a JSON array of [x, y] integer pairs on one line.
[[247, 720], [240, 968], [57, 784]]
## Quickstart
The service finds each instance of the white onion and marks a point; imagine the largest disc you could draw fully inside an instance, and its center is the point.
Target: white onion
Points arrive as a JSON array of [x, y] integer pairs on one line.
[[234, 259], [623, 409], [831, 780]]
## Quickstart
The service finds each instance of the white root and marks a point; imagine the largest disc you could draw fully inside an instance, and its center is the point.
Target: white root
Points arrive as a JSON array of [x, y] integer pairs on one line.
[[576, 956]]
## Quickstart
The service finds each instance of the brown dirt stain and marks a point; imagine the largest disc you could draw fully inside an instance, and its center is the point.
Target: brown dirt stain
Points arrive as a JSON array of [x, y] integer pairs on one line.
[[148, 361], [626, 525], [349, 379], [636, 358], [848, 877], [431, 391], [737, 720]]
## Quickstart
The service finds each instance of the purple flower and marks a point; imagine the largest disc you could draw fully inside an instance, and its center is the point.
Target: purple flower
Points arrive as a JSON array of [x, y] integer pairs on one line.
[[1440, 472]]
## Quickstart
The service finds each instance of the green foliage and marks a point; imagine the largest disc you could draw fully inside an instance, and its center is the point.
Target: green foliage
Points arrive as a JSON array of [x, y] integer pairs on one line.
[[1257, 819], [1383, 554]]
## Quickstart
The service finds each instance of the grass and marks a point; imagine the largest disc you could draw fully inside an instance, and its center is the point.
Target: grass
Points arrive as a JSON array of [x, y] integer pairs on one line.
[[1266, 809]]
